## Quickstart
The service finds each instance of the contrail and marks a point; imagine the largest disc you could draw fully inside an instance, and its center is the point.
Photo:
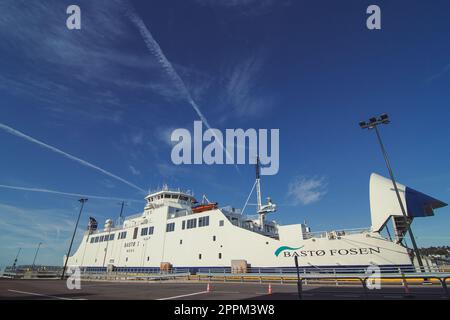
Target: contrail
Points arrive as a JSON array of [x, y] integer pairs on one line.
[[66, 193], [156, 50], [67, 155]]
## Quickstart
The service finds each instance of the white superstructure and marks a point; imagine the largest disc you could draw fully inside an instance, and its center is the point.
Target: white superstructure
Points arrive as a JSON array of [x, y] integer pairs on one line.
[[174, 229]]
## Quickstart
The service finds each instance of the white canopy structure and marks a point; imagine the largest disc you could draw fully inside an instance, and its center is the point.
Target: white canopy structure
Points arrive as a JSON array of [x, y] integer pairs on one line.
[[384, 204]]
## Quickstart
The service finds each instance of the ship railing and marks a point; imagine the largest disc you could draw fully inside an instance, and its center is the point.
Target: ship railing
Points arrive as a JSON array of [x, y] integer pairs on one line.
[[398, 270], [133, 273], [134, 216], [132, 270], [335, 233]]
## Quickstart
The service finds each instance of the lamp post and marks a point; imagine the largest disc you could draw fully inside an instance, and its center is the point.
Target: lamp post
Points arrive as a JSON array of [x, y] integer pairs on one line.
[[15, 260], [37, 250], [373, 124], [83, 201], [122, 204]]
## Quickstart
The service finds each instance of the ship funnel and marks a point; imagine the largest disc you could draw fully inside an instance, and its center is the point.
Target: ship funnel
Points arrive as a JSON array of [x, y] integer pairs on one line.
[[384, 204]]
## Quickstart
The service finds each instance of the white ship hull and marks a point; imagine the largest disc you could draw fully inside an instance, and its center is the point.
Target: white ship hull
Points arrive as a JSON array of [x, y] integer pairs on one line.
[[182, 248], [213, 238]]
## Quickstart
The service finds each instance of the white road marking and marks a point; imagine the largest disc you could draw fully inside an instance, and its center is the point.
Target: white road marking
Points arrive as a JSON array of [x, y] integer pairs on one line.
[[184, 295], [347, 295], [38, 294], [42, 295]]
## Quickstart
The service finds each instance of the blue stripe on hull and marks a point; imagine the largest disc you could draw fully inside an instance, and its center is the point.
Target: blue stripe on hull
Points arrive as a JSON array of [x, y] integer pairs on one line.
[[255, 270]]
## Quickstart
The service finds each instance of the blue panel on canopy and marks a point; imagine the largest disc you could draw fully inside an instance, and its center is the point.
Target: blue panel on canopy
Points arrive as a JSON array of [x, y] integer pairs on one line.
[[421, 205]]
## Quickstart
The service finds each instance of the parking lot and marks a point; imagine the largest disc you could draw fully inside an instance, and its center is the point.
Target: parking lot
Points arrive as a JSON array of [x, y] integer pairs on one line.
[[193, 290]]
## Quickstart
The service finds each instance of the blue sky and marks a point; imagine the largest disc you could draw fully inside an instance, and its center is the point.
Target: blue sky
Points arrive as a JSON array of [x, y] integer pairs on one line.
[[310, 68]]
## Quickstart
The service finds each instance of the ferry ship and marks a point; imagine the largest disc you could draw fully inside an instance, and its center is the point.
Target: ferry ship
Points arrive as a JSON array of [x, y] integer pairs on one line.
[[175, 230]]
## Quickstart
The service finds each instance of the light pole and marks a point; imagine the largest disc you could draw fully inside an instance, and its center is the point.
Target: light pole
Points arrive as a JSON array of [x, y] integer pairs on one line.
[[121, 211], [37, 250], [372, 124], [15, 260], [83, 201]]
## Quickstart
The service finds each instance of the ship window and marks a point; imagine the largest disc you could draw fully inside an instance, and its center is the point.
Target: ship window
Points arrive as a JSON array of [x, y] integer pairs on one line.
[[148, 258], [221, 223], [122, 235], [191, 223], [111, 237], [220, 255], [135, 233], [183, 225], [170, 227], [214, 238], [200, 256], [203, 221], [181, 241], [174, 196], [92, 240], [167, 196], [96, 239], [144, 231], [184, 198], [150, 230]]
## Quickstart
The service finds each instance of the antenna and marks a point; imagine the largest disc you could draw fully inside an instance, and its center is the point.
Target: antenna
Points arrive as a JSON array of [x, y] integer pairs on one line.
[[262, 210]]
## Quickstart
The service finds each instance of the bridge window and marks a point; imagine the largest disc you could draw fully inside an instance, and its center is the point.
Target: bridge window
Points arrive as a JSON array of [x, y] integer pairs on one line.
[[122, 235], [221, 223], [101, 238], [170, 227], [203, 221], [150, 230], [135, 233], [111, 237], [183, 225], [192, 223], [144, 231]]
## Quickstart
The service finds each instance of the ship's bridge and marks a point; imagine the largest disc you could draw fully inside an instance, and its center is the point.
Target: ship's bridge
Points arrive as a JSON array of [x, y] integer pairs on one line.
[[165, 196]]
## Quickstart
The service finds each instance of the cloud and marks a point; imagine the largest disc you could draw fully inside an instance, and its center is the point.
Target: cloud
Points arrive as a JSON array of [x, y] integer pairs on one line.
[[78, 195], [439, 74], [241, 88], [304, 190], [67, 155], [25, 227], [156, 51], [85, 70], [134, 170]]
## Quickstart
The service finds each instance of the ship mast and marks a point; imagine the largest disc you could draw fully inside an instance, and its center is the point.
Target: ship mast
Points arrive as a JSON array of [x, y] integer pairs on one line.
[[258, 186]]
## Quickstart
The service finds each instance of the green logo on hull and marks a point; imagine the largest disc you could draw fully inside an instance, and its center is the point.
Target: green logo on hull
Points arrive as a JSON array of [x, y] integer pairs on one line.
[[284, 248]]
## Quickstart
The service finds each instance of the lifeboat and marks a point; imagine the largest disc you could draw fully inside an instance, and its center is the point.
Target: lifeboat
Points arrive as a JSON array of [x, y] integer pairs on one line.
[[204, 207]]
